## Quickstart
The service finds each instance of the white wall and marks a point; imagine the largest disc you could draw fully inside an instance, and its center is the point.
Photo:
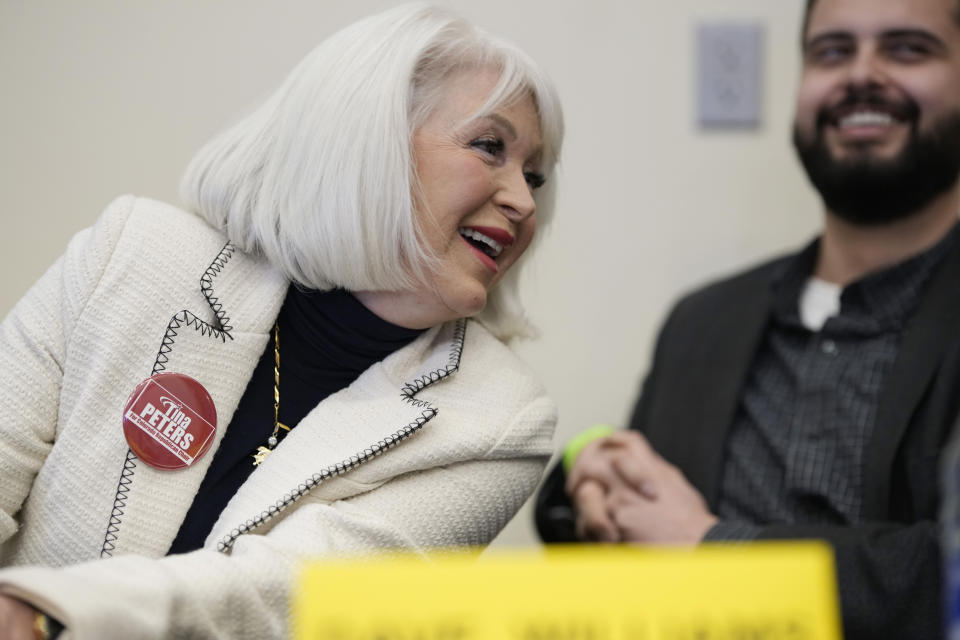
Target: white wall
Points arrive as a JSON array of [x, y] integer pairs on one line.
[[109, 96]]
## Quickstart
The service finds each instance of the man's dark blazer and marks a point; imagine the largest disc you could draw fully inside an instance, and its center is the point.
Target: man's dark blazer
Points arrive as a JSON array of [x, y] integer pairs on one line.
[[889, 566]]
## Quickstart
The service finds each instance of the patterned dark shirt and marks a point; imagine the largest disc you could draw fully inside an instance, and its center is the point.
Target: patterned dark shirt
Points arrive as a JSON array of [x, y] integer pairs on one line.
[[809, 405]]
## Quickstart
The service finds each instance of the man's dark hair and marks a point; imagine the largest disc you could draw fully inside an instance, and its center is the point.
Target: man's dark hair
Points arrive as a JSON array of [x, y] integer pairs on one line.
[[809, 8]]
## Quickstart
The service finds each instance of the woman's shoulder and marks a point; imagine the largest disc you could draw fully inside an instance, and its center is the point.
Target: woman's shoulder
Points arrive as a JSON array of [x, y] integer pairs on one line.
[[482, 363], [464, 358], [172, 225], [492, 350], [155, 234], [143, 247]]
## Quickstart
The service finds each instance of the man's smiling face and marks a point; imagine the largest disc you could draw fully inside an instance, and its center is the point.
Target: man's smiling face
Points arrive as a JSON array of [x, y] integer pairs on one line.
[[878, 106]]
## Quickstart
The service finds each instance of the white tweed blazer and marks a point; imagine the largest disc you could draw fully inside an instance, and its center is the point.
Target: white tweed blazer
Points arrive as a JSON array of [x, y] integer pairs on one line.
[[437, 445]]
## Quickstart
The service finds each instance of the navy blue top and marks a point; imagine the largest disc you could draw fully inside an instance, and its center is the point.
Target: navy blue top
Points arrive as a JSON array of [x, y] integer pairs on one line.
[[327, 339]]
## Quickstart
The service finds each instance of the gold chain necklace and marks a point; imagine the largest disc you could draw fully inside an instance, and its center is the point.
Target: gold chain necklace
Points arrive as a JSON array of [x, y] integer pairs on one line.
[[264, 451]]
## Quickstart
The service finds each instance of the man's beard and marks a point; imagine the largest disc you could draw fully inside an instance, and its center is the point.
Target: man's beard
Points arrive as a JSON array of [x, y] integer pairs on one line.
[[869, 191]]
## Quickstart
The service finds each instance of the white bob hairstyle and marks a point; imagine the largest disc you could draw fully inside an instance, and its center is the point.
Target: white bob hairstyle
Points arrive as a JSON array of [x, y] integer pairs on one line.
[[320, 179]]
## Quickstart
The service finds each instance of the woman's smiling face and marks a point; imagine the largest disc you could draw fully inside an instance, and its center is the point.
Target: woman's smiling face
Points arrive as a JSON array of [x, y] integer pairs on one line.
[[474, 202]]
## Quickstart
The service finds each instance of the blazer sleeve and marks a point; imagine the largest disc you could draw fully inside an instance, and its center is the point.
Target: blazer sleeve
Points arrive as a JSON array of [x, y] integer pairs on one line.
[[554, 515], [206, 594], [888, 575], [34, 339]]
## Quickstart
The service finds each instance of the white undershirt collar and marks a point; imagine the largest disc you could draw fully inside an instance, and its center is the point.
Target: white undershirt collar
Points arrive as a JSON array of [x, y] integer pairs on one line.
[[819, 301]]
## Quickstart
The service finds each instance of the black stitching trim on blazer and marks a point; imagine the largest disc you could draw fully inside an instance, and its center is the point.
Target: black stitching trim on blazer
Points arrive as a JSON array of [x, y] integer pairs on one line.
[[206, 286], [410, 389], [119, 504], [181, 319], [184, 319]]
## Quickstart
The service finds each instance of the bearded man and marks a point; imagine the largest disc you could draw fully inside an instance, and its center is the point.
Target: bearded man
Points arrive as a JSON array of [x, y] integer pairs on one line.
[[812, 396]]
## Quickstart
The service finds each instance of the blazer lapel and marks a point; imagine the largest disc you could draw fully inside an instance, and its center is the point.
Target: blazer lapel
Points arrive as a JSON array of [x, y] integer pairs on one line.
[[379, 411], [220, 352], [921, 349]]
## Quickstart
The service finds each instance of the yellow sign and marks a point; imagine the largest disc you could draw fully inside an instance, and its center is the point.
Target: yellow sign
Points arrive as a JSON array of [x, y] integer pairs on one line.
[[761, 591]]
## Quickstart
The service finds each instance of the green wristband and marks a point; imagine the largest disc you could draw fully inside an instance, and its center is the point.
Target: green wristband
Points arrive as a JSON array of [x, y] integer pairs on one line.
[[582, 439]]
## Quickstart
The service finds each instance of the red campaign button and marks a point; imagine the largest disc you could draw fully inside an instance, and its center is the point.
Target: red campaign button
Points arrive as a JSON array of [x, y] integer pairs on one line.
[[169, 421]]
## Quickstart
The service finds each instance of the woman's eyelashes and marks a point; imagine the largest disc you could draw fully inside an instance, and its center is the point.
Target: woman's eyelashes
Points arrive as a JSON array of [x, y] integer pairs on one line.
[[534, 179], [496, 148], [493, 146]]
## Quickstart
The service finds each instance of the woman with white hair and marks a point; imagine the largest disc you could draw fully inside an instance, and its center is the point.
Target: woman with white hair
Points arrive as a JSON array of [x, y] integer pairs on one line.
[[202, 398]]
